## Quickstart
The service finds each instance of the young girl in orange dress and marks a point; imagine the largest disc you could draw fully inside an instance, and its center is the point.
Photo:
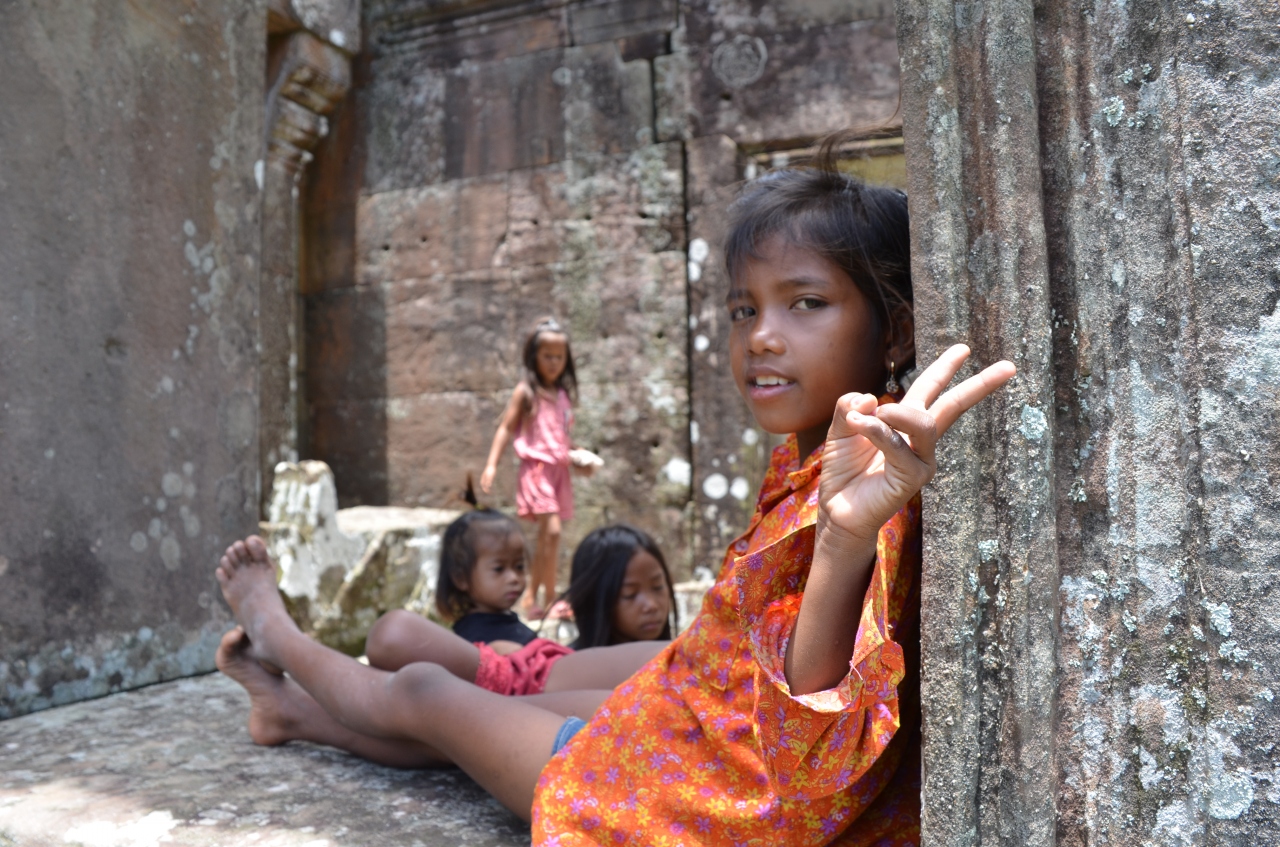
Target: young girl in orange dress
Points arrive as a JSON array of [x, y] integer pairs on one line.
[[786, 713], [537, 421]]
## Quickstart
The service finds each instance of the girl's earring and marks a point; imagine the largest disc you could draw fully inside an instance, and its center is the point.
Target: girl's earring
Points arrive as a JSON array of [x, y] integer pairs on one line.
[[892, 386]]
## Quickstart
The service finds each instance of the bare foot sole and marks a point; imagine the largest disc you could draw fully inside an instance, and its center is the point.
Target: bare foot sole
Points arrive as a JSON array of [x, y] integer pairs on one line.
[[268, 691], [248, 581]]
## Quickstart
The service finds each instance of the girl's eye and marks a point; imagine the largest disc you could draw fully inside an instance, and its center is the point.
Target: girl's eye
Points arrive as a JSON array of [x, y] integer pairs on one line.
[[808, 304], [738, 313]]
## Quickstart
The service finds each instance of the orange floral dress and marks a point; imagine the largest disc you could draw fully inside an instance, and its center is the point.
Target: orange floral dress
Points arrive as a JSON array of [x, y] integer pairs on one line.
[[706, 746]]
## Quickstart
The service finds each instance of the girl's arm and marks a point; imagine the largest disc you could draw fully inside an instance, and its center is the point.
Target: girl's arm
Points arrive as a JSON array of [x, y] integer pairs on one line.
[[520, 399], [875, 459]]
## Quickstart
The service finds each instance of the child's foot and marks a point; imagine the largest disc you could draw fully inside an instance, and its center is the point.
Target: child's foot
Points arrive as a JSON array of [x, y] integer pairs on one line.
[[248, 580], [270, 694]]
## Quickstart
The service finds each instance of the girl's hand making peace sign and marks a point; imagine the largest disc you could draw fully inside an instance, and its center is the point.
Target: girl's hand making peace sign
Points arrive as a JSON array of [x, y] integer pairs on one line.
[[875, 459]]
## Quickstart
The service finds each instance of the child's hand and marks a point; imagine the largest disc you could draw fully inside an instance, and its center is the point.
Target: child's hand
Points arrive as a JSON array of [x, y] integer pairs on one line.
[[870, 470], [486, 478]]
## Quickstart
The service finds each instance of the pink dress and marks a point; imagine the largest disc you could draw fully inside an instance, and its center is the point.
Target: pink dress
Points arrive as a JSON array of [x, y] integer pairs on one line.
[[543, 486]]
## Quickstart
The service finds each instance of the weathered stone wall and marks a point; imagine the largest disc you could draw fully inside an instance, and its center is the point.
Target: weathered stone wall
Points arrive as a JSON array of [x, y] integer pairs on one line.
[[130, 236], [505, 160], [1094, 195]]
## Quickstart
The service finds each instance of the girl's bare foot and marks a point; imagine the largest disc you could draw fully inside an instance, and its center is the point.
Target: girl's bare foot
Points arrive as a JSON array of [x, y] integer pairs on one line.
[[248, 580], [270, 694]]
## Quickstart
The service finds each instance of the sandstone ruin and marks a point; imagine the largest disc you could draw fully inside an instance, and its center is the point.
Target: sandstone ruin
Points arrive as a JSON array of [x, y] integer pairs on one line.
[[245, 233]]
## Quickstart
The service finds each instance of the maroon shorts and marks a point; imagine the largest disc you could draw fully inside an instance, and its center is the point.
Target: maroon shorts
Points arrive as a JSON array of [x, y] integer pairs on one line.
[[544, 489], [522, 672]]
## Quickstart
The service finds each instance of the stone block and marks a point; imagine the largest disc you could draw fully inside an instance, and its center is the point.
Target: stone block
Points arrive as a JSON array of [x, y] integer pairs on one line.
[[672, 97], [435, 440], [131, 234], [744, 73], [593, 21], [596, 204], [504, 115], [419, 232], [346, 346], [341, 571], [445, 35], [649, 45], [352, 438], [406, 115], [608, 103], [452, 333]]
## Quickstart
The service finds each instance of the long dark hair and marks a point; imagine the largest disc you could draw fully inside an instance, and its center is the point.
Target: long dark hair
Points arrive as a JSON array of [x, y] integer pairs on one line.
[[458, 558], [599, 568], [568, 377], [864, 229]]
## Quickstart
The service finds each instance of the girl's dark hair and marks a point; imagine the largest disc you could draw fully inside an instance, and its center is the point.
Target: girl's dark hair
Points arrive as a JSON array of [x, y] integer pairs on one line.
[[458, 557], [862, 228], [599, 568], [568, 378]]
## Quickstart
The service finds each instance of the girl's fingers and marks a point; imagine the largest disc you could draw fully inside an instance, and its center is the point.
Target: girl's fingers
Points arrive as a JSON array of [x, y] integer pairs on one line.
[[864, 404], [926, 387], [897, 452], [966, 395], [917, 425]]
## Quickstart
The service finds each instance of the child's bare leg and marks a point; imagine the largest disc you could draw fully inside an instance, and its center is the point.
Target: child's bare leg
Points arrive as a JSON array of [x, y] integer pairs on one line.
[[545, 559], [280, 711], [502, 742], [401, 638], [601, 667]]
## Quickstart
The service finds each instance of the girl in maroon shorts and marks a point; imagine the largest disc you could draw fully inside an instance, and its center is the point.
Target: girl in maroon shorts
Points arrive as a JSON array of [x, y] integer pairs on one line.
[[537, 420]]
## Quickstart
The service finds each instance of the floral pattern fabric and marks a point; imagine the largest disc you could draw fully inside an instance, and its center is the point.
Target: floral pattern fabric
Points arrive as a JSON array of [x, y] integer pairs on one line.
[[705, 745]]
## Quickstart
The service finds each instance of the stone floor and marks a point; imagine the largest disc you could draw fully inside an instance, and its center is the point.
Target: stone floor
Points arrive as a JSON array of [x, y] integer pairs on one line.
[[173, 765]]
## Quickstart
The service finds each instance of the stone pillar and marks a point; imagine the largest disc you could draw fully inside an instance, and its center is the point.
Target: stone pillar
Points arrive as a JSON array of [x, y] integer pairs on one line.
[[310, 75], [1094, 197]]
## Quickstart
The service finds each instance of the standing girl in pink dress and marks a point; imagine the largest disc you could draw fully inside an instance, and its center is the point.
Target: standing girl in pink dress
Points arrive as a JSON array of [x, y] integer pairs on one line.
[[540, 415]]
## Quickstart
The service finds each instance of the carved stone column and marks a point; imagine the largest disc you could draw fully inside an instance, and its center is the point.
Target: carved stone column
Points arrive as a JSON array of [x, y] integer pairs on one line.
[[310, 73], [1094, 195]]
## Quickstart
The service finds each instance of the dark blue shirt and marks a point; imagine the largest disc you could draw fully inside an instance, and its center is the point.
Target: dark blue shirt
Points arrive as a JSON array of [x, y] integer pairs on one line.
[[493, 626]]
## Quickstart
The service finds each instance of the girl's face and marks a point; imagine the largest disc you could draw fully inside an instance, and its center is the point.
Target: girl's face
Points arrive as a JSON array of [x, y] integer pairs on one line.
[[552, 356], [801, 335], [644, 604], [497, 579]]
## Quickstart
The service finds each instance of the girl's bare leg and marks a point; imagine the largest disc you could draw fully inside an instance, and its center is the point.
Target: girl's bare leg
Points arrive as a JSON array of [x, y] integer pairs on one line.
[[545, 559], [502, 742], [601, 667], [280, 710], [400, 638]]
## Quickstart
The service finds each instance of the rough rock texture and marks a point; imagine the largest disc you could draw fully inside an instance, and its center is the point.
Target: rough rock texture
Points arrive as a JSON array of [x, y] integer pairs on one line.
[[505, 160], [1095, 196], [130, 234], [342, 570], [173, 765]]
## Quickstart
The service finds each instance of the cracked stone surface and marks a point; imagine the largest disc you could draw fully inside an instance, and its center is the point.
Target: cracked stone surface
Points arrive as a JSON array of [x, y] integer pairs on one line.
[[173, 764]]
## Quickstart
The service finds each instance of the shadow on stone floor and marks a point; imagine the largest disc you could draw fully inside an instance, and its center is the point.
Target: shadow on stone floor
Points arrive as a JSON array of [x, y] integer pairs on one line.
[[173, 764]]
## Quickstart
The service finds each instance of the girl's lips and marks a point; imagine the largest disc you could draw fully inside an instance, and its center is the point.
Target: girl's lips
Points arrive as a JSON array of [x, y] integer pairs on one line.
[[771, 388]]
